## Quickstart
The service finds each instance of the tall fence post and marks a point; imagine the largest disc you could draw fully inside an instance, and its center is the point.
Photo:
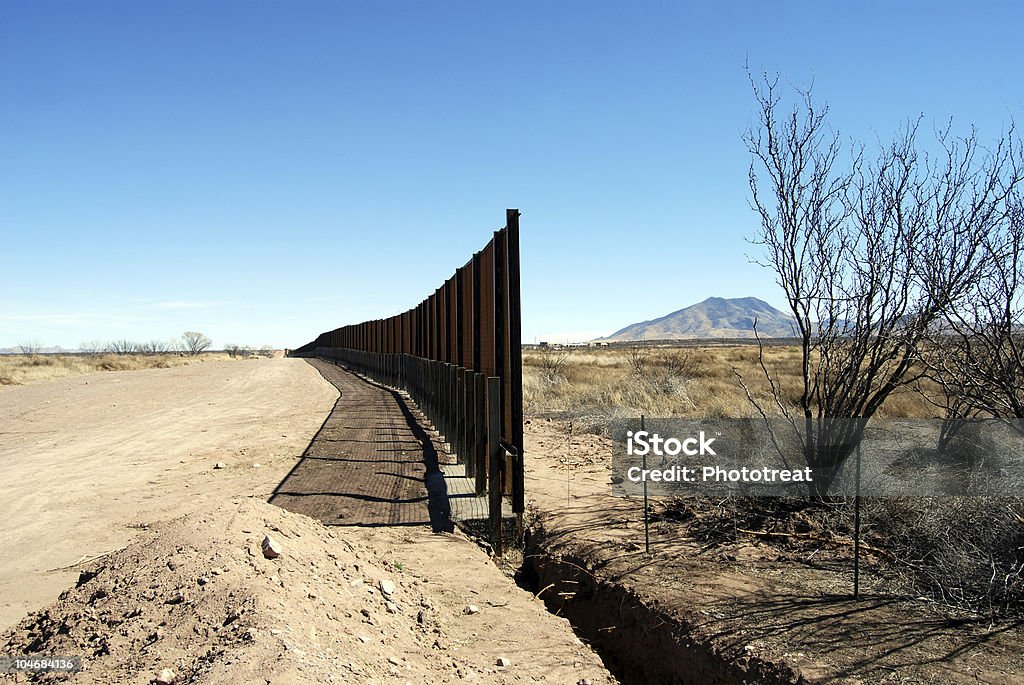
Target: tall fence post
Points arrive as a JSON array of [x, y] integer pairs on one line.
[[495, 457], [480, 433], [453, 404], [515, 365], [460, 409]]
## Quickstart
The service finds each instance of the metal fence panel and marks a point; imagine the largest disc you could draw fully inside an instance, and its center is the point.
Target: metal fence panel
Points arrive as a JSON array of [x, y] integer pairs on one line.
[[470, 325]]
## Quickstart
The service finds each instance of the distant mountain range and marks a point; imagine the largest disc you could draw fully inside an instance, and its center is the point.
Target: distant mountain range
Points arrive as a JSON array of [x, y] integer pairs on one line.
[[715, 317], [42, 350]]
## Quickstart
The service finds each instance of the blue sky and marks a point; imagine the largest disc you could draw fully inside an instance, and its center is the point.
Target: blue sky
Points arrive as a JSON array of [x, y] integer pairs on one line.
[[264, 171]]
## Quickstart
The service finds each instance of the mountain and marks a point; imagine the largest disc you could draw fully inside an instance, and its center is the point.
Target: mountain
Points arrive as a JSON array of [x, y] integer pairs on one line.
[[715, 317], [57, 349]]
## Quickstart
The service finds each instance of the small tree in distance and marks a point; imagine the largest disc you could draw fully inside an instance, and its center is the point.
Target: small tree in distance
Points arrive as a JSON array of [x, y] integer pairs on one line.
[[194, 343], [30, 347], [157, 347], [124, 346], [235, 351], [92, 347]]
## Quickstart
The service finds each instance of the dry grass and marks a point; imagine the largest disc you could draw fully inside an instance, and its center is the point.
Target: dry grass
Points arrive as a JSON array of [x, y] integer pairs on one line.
[[594, 386], [20, 369]]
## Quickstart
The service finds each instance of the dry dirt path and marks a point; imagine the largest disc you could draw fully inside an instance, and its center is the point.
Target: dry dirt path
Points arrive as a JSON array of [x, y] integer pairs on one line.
[[90, 460]]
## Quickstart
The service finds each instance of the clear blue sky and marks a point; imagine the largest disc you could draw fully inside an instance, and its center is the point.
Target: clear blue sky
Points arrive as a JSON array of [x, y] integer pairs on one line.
[[265, 171]]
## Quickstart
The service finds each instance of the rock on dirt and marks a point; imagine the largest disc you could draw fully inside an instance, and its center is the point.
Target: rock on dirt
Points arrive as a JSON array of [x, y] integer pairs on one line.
[[165, 677], [271, 547]]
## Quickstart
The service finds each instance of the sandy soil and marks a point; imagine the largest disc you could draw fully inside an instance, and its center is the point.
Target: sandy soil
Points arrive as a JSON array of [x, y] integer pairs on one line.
[[91, 460], [197, 596], [739, 614], [114, 459]]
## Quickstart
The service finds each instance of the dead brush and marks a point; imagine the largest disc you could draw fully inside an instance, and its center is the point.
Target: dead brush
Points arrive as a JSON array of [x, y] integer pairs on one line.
[[963, 552], [24, 369], [551, 362]]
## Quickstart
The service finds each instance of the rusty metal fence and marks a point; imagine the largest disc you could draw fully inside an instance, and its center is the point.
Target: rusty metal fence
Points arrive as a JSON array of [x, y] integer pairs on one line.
[[458, 355]]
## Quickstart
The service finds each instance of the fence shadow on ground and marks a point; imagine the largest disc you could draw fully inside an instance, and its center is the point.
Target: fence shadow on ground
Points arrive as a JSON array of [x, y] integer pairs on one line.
[[370, 463]]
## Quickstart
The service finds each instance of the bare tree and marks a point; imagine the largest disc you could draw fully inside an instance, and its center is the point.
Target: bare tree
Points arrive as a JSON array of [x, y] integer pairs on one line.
[[92, 347], [123, 346], [30, 347], [235, 351], [976, 355], [869, 254], [155, 347], [195, 343]]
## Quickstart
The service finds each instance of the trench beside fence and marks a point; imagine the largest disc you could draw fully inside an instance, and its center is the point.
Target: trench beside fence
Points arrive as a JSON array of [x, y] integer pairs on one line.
[[458, 356]]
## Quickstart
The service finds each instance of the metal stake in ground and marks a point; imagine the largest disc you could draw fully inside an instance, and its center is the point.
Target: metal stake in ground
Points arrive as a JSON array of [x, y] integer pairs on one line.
[[647, 522], [856, 529], [568, 457]]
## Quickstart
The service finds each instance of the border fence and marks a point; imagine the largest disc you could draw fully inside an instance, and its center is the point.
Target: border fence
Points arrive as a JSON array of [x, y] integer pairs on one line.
[[458, 354]]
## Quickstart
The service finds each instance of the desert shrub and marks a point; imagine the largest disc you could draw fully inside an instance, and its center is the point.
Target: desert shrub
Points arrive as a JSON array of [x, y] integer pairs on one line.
[[664, 371], [22, 369], [962, 552], [966, 552], [716, 521], [551, 363], [114, 362]]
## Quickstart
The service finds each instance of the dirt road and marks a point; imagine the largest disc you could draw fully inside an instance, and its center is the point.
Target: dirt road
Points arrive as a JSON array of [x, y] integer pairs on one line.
[[90, 461]]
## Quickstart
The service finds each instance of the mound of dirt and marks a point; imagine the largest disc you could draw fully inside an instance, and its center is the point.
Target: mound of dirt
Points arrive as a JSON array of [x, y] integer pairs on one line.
[[199, 597]]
